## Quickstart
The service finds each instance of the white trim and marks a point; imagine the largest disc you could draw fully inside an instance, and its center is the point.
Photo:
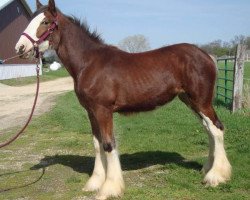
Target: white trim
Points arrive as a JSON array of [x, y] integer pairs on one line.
[[5, 3]]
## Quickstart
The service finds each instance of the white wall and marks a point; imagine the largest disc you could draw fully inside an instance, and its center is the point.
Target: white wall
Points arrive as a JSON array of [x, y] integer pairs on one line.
[[9, 71]]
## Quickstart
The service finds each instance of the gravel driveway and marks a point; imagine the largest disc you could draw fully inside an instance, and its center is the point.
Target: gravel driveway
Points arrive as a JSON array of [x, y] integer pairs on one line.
[[16, 102]]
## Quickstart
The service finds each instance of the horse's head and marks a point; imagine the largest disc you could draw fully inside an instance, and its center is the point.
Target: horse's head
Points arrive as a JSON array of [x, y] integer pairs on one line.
[[33, 35]]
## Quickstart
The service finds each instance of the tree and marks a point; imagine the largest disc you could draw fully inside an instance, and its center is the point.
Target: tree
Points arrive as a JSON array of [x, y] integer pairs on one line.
[[134, 44], [238, 39], [217, 47], [248, 42], [221, 48]]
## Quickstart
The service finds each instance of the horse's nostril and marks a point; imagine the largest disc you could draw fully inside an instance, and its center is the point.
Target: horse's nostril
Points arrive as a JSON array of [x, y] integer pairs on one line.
[[21, 49]]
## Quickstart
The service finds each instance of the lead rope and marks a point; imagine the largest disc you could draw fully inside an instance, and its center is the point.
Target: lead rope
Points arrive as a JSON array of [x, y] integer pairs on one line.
[[34, 104], [11, 58]]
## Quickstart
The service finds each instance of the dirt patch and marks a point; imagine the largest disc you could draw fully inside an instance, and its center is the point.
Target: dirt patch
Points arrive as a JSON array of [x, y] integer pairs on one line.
[[16, 102]]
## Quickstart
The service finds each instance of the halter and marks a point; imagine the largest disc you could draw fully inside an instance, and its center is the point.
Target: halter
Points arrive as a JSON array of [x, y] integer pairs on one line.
[[43, 37]]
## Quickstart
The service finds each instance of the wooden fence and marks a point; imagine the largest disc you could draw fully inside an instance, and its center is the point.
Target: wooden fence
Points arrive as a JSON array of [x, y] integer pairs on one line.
[[230, 79]]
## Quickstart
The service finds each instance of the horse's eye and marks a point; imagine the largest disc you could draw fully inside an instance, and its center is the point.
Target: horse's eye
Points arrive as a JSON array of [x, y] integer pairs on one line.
[[45, 23]]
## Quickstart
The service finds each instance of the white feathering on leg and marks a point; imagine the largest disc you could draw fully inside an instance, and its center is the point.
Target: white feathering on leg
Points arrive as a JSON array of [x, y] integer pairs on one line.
[[99, 174], [218, 168], [114, 184]]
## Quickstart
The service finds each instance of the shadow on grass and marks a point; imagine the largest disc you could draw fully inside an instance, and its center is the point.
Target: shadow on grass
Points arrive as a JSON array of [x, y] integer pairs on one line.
[[21, 185], [135, 161], [85, 164]]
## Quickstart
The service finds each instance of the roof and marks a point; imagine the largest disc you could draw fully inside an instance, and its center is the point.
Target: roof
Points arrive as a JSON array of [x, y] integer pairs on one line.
[[4, 3]]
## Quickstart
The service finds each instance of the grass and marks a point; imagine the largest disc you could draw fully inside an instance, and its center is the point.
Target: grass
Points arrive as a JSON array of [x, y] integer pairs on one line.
[[246, 96], [47, 76], [247, 70], [162, 153]]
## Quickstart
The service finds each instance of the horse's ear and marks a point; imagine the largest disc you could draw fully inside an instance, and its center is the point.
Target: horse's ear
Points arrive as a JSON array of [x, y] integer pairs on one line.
[[38, 4], [52, 7]]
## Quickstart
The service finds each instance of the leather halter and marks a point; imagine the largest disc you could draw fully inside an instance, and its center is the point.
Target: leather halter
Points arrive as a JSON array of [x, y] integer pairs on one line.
[[43, 37]]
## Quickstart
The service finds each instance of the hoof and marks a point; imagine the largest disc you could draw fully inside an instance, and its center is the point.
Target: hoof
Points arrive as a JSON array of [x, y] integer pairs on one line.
[[111, 189], [214, 178], [94, 184]]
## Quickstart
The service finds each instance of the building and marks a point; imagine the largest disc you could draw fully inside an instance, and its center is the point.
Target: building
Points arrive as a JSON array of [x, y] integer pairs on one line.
[[15, 16]]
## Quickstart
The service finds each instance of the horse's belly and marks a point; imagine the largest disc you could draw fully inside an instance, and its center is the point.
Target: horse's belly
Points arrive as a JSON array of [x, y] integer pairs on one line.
[[137, 102]]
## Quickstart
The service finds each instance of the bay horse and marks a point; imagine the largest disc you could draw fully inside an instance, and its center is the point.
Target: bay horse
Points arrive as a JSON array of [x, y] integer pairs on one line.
[[108, 80]]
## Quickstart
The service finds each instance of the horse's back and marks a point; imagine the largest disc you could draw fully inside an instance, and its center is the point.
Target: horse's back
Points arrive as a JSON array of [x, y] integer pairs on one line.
[[146, 80], [143, 81], [174, 59]]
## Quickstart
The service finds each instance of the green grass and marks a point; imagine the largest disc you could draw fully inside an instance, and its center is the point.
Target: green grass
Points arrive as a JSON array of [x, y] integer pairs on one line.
[[161, 155], [247, 73], [247, 70], [47, 76]]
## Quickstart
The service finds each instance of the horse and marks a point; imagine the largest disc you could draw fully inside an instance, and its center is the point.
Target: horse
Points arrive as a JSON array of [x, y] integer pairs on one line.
[[107, 80]]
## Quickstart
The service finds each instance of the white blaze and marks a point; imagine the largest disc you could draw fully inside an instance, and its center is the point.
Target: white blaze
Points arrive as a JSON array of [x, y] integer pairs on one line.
[[31, 30]]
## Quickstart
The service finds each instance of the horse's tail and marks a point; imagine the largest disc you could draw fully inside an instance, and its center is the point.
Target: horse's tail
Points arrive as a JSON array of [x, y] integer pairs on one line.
[[213, 57]]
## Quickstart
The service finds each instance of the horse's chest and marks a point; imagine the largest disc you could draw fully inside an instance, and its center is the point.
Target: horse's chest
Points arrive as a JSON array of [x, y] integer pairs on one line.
[[83, 101]]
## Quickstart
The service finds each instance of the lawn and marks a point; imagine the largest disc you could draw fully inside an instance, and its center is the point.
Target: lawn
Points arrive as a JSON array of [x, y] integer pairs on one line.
[[247, 73], [162, 153]]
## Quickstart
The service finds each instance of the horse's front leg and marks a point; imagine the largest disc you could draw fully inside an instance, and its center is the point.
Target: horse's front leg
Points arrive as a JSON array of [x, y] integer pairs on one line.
[[114, 184], [99, 173]]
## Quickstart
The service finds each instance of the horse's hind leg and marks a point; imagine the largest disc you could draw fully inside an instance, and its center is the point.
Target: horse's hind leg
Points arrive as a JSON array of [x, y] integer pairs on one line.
[[217, 169]]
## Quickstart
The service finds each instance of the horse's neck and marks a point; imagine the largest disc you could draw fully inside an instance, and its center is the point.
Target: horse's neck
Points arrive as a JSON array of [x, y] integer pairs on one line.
[[73, 49]]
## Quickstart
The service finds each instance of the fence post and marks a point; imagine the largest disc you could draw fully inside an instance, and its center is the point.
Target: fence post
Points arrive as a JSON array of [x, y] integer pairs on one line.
[[238, 77]]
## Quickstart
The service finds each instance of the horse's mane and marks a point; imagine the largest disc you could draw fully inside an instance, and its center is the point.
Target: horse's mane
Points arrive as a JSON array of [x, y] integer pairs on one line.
[[83, 25], [86, 29]]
